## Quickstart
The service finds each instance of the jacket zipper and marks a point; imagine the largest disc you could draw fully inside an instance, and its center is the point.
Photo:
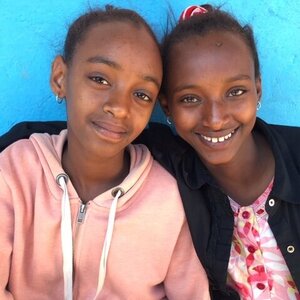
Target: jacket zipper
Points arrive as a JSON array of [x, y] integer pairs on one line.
[[81, 213]]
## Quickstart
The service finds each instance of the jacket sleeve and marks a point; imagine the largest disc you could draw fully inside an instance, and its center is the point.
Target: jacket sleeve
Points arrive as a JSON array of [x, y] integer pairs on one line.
[[24, 129], [186, 278], [6, 237]]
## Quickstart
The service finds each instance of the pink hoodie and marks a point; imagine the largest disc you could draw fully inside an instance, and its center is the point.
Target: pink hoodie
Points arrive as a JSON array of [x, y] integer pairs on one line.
[[54, 247]]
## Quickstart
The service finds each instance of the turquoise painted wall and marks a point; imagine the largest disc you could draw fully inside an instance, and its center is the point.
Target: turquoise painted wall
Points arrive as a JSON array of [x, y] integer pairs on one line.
[[32, 33]]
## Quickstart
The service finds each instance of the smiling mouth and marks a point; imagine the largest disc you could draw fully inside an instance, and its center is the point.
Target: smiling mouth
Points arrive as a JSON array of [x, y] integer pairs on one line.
[[220, 139], [110, 131]]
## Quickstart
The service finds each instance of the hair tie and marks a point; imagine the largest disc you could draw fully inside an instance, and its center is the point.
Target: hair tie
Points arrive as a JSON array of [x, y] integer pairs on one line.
[[192, 11]]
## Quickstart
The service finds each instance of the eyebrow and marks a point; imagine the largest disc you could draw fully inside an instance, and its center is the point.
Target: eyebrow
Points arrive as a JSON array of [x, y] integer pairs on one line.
[[151, 79], [239, 77], [193, 86], [103, 60], [185, 87]]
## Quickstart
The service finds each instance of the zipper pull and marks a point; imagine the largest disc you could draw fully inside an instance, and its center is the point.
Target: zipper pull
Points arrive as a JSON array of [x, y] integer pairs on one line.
[[81, 213]]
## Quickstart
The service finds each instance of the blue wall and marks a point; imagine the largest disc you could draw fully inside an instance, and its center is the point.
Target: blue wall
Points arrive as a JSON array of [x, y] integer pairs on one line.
[[32, 33]]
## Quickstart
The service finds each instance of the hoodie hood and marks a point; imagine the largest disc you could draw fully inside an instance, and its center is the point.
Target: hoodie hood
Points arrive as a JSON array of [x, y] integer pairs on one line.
[[49, 149]]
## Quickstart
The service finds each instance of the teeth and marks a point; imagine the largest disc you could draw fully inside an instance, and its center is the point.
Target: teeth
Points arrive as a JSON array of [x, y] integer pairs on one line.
[[220, 139]]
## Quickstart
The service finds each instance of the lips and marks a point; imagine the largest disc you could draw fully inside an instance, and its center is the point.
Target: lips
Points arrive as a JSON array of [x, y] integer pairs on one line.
[[218, 139], [109, 130]]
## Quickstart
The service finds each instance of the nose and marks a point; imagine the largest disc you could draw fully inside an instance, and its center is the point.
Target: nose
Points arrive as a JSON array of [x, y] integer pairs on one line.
[[117, 104], [215, 115]]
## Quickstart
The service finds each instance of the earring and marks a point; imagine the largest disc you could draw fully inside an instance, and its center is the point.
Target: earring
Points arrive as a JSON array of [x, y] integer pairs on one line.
[[258, 106], [169, 120], [58, 99]]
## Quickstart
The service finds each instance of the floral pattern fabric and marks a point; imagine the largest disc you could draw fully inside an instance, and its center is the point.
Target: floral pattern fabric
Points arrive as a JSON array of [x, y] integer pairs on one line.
[[257, 269]]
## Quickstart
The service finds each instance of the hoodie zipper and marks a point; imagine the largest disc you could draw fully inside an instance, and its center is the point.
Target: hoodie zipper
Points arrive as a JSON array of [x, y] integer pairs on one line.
[[81, 213], [80, 219]]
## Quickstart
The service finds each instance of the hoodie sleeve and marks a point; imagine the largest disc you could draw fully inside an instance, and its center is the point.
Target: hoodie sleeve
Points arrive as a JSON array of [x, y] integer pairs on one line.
[[6, 237], [186, 278]]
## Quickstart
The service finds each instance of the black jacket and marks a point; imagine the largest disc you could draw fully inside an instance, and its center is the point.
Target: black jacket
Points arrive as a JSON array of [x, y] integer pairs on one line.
[[207, 208]]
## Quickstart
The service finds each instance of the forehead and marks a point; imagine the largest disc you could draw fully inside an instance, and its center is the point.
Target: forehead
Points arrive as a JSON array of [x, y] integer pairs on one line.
[[213, 51], [111, 38]]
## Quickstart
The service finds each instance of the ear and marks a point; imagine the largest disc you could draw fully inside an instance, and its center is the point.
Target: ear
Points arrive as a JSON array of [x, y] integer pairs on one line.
[[258, 87], [164, 104], [58, 77]]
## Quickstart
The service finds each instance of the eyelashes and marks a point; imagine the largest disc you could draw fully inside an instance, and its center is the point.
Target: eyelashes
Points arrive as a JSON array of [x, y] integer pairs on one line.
[[236, 92], [195, 99], [99, 80], [190, 99], [140, 95]]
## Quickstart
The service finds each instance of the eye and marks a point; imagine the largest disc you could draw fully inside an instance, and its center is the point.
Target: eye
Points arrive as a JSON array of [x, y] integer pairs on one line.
[[236, 92], [142, 96], [190, 99], [100, 80]]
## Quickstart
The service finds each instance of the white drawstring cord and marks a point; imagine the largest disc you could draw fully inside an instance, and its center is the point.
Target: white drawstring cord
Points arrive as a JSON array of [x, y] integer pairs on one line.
[[107, 241], [66, 238]]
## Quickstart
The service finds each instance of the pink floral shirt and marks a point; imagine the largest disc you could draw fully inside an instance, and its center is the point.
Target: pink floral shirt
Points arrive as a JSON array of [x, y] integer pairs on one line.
[[257, 269]]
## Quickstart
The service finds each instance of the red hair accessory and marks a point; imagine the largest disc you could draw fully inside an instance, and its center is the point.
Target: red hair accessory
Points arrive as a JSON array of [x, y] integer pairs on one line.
[[192, 11]]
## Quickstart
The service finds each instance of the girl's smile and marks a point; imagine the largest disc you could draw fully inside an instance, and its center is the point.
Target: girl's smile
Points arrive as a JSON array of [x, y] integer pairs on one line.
[[109, 131], [218, 139]]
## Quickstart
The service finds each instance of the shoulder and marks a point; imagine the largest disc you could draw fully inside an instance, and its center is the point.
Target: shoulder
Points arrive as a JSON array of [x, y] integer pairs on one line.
[[164, 185], [165, 145], [152, 184], [160, 137], [285, 144], [162, 175], [18, 164], [283, 137], [142, 162], [287, 132], [26, 154], [18, 151], [23, 130]]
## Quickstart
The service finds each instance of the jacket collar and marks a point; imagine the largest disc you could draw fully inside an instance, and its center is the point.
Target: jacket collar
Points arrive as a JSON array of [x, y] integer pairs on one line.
[[194, 172], [287, 176]]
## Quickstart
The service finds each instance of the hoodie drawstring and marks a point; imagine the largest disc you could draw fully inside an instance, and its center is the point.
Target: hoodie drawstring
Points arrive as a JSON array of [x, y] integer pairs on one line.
[[117, 193], [66, 238]]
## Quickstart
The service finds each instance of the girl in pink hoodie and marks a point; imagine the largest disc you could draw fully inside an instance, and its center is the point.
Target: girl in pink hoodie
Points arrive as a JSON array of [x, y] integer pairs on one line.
[[85, 214]]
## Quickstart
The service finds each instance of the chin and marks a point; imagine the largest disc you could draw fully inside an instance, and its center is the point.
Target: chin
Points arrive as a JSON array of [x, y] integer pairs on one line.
[[216, 160]]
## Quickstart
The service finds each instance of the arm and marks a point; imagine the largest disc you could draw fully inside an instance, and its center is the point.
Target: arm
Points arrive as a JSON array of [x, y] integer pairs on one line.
[[24, 129], [186, 278], [6, 238]]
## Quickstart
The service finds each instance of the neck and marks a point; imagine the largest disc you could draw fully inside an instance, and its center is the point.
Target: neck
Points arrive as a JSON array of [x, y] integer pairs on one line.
[[91, 176], [247, 176]]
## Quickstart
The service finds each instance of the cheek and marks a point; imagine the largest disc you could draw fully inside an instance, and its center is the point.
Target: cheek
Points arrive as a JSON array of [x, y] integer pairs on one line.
[[246, 112], [141, 118], [184, 117]]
